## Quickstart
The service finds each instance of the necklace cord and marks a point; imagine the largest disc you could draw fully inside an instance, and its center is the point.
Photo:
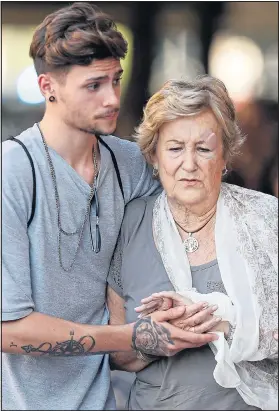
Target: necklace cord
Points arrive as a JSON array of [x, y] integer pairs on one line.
[[80, 230]]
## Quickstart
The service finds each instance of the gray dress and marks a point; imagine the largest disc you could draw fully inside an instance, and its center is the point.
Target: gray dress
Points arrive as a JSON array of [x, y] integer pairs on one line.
[[185, 381]]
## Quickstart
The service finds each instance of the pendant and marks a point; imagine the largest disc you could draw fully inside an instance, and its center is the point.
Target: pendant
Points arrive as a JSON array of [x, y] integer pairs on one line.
[[191, 244]]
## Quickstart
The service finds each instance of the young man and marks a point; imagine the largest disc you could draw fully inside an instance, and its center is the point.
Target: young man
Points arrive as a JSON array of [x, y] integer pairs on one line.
[[59, 240]]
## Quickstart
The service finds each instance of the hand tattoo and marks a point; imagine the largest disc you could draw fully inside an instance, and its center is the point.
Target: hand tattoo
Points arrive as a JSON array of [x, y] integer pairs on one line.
[[65, 348], [151, 338]]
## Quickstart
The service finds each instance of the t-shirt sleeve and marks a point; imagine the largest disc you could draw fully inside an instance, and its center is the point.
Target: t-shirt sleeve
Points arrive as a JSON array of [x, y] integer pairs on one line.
[[146, 185], [114, 276], [17, 299]]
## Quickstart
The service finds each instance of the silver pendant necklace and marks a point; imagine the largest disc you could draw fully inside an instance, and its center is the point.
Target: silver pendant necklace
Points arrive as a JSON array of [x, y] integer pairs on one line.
[[191, 244], [79, 230]]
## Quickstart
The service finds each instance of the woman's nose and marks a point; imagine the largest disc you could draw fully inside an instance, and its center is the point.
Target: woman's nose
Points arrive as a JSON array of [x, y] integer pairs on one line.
[[189, 161]]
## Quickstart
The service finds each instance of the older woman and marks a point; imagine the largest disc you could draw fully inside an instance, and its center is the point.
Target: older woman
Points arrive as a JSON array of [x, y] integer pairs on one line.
[[199, 240]]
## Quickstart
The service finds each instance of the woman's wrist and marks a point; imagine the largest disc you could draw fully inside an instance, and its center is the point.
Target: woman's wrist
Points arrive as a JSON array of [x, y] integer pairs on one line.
[[230, 333]]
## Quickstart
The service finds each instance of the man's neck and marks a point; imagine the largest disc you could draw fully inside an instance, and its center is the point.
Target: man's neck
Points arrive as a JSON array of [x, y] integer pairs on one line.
[[73, 145]]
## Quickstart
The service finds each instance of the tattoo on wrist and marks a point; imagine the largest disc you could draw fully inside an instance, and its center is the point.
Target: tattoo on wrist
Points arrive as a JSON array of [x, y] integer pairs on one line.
[[146, 357], [151, 338], [70, 347]]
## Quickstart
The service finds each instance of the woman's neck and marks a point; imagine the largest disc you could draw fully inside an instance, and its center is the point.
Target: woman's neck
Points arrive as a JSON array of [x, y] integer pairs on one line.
[[191, 218]]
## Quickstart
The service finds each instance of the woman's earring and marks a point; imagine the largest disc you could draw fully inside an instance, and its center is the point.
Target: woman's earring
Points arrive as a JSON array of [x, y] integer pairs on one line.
[[225, 171], [51, 99], [155, 172]]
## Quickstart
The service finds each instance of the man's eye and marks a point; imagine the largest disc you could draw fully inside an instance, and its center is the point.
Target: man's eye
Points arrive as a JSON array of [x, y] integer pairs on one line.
[[93, 86], [117, 81]]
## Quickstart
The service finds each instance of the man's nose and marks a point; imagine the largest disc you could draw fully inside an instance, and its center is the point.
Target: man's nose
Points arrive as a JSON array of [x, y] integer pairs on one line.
[[111, 98]]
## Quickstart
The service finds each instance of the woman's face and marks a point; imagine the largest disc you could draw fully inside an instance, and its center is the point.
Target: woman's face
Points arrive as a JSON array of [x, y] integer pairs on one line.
[[189, 158]]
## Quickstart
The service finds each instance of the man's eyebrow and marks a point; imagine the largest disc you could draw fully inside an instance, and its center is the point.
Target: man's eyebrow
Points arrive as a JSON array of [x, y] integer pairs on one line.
[[118, 73]]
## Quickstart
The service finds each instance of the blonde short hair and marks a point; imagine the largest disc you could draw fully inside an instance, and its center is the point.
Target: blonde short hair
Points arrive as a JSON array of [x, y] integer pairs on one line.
[[178, 98]]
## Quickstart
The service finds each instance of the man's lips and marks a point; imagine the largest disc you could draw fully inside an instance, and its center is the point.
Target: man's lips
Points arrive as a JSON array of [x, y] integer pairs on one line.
[[111, 114]]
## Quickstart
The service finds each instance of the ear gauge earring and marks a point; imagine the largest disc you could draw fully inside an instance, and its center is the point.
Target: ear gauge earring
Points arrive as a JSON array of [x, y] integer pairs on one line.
[[51, 99]]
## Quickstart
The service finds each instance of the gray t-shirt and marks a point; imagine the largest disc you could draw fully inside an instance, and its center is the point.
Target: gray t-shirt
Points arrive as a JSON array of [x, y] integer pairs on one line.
[[33, 279], [184, 381]]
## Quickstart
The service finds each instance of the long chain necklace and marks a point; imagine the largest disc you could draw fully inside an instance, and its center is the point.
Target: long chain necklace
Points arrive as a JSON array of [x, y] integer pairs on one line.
[[191, 244], [80, 230]]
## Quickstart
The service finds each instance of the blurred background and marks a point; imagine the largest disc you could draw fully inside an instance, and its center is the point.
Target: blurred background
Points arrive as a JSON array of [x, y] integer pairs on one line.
[[234, 41]]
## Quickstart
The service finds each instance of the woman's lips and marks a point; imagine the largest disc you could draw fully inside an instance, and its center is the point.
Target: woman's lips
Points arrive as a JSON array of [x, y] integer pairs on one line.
[[189, 182]]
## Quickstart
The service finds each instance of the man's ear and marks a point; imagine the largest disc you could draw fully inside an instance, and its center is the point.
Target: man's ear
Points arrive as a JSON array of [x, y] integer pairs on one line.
[[46, 84]]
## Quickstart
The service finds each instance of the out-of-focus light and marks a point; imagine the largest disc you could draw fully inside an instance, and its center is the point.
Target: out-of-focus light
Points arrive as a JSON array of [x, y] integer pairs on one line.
[[176, 59], [239, 63], [27, 87], [4, 64]]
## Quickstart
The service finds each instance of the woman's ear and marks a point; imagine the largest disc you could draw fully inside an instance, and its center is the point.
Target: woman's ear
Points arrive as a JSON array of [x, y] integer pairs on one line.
[[154, 161]]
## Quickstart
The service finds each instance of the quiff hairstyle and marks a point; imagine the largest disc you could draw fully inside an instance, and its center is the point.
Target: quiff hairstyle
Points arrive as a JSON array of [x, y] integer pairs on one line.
[[75, 35], [178, 98]]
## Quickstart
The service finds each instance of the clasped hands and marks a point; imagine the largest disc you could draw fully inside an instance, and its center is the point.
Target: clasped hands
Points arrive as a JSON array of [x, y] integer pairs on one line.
[[198, 317]]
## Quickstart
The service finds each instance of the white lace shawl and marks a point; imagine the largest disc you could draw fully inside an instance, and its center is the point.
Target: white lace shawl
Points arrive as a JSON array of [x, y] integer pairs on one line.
[[246, 238]]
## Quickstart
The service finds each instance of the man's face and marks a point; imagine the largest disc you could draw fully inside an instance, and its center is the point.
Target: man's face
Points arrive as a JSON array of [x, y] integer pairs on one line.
[[89, 97]]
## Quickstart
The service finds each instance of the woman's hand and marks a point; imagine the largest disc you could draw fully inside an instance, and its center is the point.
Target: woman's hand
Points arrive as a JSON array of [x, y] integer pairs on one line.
[[197, 317], [160, 302], [223, 326]]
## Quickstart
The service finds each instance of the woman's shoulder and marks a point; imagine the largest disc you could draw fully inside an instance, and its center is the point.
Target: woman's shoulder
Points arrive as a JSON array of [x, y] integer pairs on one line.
[[246, 196], [138, 212], [137, 208], [251, 206]]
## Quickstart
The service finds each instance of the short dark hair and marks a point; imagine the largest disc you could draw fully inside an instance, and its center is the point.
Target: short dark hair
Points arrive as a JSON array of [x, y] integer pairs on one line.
[[75, 35]]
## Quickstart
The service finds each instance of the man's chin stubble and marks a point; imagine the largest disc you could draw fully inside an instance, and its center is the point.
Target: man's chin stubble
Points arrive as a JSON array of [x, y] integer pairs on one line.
[[98, 132]]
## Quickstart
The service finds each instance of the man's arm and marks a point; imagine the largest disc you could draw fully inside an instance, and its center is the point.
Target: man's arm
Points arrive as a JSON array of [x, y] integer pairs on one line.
[[152, 335], [123, 360], [40, 334]]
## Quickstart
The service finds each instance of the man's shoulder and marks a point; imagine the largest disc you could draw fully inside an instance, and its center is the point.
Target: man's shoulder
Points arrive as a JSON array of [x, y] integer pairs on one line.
[[135, 173], [15, 162], [28, 137], [123, 148]]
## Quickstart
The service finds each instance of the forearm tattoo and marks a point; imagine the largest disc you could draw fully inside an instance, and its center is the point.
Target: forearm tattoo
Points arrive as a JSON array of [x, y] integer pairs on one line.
[[70, 347], [151, 338]]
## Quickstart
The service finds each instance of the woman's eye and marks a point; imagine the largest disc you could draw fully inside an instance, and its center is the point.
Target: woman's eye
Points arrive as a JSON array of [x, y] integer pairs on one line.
[[203, 150], [175, 149], [93, 86]]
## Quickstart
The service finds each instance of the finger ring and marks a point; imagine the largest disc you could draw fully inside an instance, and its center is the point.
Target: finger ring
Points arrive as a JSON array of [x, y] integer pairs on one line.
[[193, 329]]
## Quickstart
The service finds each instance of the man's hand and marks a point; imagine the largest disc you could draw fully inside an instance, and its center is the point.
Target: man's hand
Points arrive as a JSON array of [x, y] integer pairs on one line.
[[155, 336]]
